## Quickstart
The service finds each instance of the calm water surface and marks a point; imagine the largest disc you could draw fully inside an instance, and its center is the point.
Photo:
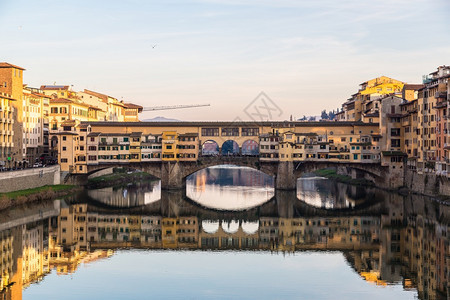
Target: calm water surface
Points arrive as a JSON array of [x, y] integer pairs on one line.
[[229, 235]]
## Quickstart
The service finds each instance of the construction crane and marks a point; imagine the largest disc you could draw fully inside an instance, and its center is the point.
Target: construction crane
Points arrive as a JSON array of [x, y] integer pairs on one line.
[[173, 107]]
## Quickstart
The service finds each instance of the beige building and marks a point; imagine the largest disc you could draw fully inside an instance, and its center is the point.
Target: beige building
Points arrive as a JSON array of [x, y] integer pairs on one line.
[[33, 125]]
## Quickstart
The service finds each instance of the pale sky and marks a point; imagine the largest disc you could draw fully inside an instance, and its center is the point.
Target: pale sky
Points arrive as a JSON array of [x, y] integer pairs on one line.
[[305, 55]]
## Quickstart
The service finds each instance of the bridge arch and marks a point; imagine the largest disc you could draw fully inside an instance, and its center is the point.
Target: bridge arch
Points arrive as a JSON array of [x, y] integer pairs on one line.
[[250, 147], [250, 162], [230, 147], [370, 171]]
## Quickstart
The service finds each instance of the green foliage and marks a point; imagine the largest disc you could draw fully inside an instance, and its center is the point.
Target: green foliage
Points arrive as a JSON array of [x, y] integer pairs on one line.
[[331, 173], [21, 193], [32, 195]]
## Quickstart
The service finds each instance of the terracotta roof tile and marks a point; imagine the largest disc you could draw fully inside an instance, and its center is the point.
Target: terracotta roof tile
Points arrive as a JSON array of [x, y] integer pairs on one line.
[[8, 65]]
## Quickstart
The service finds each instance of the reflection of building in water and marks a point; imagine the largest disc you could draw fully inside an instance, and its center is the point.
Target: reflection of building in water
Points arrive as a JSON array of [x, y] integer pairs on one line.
[[227, 236], [34, 255], [407, 244], [180, 232], [6, 258]]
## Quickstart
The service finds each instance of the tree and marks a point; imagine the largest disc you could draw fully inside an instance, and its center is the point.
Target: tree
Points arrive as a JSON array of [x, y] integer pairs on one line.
[[324, 115], [331, 115]]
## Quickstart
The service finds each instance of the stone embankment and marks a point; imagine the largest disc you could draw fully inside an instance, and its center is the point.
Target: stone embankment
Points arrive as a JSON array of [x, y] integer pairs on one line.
[[29, 178]]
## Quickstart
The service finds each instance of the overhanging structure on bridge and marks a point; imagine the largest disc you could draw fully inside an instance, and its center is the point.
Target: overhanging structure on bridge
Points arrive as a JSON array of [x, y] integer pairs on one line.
[[173, 150]]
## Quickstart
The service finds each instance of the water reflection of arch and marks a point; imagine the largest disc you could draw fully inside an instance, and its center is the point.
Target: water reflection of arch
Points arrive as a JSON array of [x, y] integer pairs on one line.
[[230, 147], [250, 147], [210, 147], [210, 226], [229, 234]]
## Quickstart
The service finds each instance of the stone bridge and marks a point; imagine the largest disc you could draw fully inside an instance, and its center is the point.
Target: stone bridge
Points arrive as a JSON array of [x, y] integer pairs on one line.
[[173, 174]]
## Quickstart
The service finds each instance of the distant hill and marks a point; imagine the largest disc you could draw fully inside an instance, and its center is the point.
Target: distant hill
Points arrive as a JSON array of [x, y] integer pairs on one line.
[[161, 119]]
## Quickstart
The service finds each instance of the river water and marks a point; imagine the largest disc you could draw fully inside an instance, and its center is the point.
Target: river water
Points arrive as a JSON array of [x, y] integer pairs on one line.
[[229, 235]]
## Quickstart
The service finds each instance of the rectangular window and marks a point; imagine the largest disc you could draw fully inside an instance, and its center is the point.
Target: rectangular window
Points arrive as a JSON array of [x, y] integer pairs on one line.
[[395, 131], [210, 131], [395, 142], [250, 131], [230, 131]]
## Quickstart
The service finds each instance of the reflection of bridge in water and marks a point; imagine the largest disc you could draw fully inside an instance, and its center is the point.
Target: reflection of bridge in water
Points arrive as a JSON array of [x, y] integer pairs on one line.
[[396, 239], [284, 221]]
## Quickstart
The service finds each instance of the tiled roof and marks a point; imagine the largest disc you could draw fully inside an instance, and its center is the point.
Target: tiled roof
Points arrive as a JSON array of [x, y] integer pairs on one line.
[[8, 65], [414, 87], [41, 95], [132, 106], [54, 87], [136, 134], [99, 95], [60, 100]]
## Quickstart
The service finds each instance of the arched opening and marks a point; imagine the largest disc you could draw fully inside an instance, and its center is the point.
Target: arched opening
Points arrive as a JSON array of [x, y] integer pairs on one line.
[[250, 227], [230, 148], [210, 148], [54, 146], [230, 227], [229, 187], [210, 226], [123, 187], [250, 148], [332, 189]]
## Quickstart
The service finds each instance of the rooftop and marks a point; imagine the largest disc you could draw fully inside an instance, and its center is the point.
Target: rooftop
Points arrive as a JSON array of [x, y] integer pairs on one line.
[[54, 87], [8, 65], [274, 124], [60, 100]]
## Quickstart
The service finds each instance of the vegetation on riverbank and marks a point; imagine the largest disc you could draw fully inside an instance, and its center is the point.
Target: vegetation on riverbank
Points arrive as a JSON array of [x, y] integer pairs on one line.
[[332, 174], [35, 194], [118, 177]]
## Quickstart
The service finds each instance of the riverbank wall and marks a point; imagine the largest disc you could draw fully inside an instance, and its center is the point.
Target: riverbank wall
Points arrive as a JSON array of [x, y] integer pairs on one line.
[[427, 184], [29, 178]]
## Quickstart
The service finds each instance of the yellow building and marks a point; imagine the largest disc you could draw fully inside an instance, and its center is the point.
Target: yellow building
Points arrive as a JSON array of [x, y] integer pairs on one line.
[[11, 86], [6, 130], [58, 91], [131, 112], [363, 105], [169, 146], [382, 86]]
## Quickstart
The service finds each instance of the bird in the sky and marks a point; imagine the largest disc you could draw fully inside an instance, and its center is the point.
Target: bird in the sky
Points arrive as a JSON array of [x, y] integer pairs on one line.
[[153, 47]]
